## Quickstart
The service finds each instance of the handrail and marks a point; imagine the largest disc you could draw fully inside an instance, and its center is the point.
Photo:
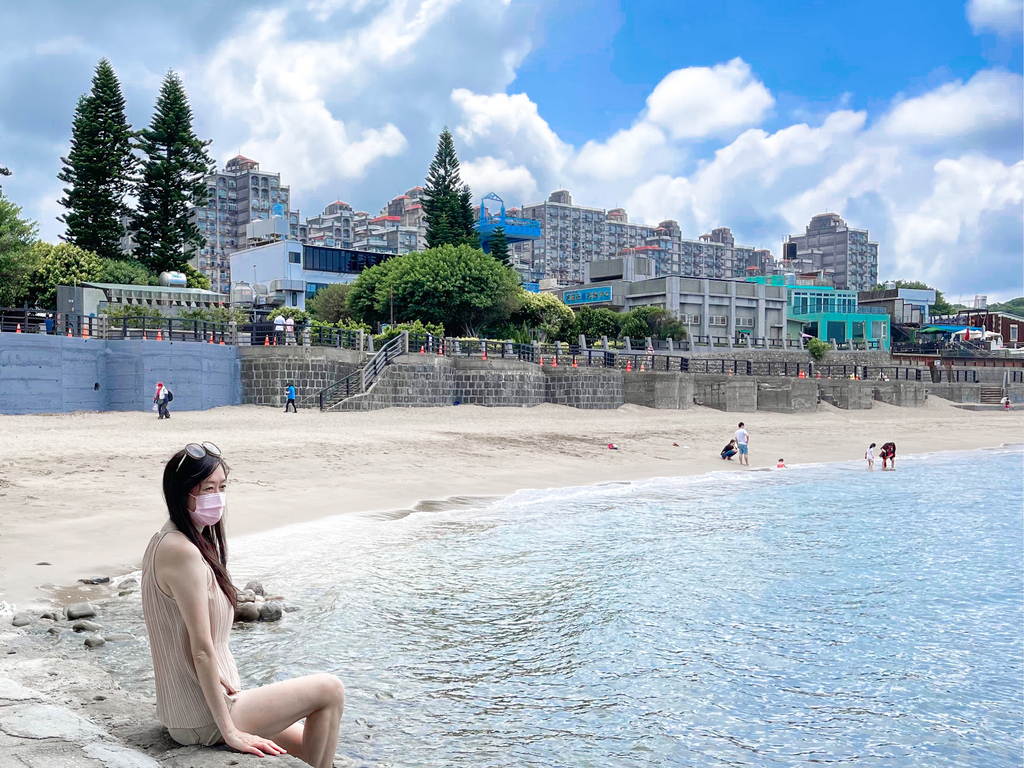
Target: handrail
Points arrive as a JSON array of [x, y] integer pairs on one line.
[[363, 378], [350, 385]]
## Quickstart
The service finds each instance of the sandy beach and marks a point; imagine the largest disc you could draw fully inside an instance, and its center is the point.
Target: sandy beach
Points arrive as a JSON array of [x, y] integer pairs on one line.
[[81, 492]]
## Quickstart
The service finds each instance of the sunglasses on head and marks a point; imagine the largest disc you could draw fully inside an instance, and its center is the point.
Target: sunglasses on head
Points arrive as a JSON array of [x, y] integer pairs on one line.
[[199, 450]]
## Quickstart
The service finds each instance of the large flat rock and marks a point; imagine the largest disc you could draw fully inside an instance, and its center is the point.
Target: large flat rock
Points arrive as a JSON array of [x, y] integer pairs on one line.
[[45, 721]]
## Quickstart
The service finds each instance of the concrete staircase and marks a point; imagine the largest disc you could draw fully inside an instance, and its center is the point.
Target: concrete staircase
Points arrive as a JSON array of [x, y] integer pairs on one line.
[[991, 395]]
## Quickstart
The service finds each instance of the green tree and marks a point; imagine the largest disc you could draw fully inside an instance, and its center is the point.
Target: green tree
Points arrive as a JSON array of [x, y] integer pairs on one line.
[[459, 287], [61, 264], [499, 246], [98, 168], [447, 202], [125, 272], [330, 304], [195, 278], [174, 168], [545, 313], [596, 322], [655, 322], [1013, 306], [17, 259]]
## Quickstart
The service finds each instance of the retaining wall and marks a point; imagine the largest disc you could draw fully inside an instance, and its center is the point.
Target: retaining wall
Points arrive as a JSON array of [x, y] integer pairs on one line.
[[583, 387], [726, 393], [787, 395], [848, 394], [498, 383], [40, 373], [906, 394], [658, 389], [267, 371], [971, 393]]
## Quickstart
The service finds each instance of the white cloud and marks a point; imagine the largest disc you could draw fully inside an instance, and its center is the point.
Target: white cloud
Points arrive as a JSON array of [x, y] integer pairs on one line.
[[705, 101], [625, 155], [60, 45], [989, 100], [515, 185], [999, 16], [510, 122]]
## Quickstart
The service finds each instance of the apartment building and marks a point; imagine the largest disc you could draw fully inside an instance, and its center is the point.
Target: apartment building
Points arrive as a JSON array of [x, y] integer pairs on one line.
[[830, 244], [398, 228], [239, 194], [573, 236]]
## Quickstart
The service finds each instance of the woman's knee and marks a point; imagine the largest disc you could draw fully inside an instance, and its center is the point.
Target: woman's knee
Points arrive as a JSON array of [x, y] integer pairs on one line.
[[331, 688]]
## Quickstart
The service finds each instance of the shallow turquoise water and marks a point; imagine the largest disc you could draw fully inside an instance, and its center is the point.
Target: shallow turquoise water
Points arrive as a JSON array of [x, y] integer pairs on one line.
[[818, 614]]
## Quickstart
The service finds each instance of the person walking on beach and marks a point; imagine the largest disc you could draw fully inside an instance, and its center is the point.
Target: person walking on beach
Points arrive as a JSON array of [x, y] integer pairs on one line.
[[188, 604], [1006, 402], [869, 454], [162, 398], [742, 442], [290, 392]]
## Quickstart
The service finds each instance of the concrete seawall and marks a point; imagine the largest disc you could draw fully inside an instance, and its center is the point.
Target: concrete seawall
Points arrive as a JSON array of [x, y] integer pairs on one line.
[[266, 372], [58, 374]]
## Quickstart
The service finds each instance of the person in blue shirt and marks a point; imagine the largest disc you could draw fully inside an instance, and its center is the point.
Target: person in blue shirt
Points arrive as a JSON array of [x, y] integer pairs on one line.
[[291, 399]]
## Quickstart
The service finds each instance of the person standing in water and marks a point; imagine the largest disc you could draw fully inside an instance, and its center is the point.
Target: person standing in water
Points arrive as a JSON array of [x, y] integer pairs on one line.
[[188, 604], [888, 454], [869, 454]]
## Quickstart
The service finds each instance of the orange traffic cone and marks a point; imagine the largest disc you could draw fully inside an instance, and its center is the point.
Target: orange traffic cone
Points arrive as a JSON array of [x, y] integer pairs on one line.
[[222, 341], [266, 341], [275, 341], [574, 362], [211, 337], [421, 350], [18, 329], [629, 365], [159, 334], [143, 335], [69, 331], [541, 360], [554, 361], [85, 330], [641, 366], [485, 353]]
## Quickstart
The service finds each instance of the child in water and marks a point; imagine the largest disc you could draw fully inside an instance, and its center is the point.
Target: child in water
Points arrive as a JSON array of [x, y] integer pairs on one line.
[[781, 464]]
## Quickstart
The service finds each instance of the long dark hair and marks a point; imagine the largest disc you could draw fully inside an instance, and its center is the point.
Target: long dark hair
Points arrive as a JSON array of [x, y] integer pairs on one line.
[[178, 484]]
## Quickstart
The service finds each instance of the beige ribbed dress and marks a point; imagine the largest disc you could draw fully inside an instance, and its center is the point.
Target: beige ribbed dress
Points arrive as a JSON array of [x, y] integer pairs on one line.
[[179, 697]]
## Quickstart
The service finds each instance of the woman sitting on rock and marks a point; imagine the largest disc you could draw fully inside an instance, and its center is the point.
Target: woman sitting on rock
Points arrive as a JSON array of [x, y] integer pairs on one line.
[[188, 601]]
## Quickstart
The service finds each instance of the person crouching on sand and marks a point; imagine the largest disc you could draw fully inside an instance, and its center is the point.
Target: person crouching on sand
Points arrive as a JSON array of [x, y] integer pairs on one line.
[[188, 603], [729, 451]]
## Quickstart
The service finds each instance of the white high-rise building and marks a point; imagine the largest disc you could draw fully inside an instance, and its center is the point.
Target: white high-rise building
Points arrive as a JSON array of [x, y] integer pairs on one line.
[[239, 194], [829, 244]]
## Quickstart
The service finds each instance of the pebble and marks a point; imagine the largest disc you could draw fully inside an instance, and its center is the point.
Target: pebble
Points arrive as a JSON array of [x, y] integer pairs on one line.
[[247, 612], [51, 615], [94, 641], [86, 626], [270, 611], [80, 611], [21, 620], [54, 630], [118, 637], [97, 580], [246, 596], [256, 587], [291, 608], [128, 583]]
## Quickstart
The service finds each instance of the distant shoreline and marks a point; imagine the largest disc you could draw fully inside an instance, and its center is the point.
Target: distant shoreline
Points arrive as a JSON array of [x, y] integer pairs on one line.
[[82, 491]]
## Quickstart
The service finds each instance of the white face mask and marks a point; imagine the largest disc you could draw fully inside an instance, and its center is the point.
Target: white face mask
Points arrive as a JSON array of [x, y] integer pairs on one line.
[[209, 509]]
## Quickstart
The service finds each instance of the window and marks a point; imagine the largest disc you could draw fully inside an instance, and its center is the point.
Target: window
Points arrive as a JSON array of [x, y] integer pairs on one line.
[[1014, 332], [293, 257], [719, 320]]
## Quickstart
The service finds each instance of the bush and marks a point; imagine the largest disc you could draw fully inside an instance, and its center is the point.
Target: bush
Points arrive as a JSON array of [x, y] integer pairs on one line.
[[62, 264], [655, 322], [414, 327], [595, 323], [194, 278], [300, 316], [545, 313], [818, 349], [135, 313], [125, 272]]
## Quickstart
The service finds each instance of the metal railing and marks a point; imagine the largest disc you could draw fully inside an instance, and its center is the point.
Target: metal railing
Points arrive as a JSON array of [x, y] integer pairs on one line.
[[361, 380], [341, 390]]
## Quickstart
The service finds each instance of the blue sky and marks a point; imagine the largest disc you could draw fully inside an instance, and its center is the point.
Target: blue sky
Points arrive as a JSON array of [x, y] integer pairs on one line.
[[905, 117]]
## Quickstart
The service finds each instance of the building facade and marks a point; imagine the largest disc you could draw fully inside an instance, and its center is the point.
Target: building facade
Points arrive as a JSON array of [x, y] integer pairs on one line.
[[830, 244], [238, 195], [906, 306], [708, 307], [573, 236], [287, 272]]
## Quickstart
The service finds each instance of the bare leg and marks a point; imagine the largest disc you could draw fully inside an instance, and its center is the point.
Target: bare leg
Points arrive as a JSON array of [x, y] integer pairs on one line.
[[273, 710]]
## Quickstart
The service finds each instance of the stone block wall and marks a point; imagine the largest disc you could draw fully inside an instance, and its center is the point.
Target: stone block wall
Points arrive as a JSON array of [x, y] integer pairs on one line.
[[424, 384], [726, 393], [267, 371], [498, 383], [787, 395], [672, 391], [583, 388], [848, 394]]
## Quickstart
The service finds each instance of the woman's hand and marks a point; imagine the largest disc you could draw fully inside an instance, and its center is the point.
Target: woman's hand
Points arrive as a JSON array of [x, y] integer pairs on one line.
[[252, 745]]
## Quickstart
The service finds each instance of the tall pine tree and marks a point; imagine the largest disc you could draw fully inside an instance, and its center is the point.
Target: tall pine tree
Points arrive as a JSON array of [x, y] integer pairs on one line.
[[447, 202], [498, 247], [99, 168], [174, 168]]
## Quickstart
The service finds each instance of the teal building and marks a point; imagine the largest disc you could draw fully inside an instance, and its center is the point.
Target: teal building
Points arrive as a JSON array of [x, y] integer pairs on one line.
[[830, 314]]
